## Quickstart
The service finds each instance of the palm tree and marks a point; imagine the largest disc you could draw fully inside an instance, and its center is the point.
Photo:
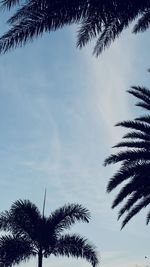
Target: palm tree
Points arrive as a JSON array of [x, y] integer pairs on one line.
[[31, 234], [103, 19], [134, 156]]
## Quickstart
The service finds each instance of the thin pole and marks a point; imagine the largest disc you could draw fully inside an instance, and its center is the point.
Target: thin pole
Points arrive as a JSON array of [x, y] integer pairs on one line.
[[44, 202]]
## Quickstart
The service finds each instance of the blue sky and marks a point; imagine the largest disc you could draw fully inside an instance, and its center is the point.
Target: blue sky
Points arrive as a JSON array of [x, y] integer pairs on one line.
[[58, 107]]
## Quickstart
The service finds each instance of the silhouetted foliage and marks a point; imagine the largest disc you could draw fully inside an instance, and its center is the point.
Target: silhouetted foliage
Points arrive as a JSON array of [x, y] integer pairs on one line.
[[104, 20], [31, 234], [134, 157]]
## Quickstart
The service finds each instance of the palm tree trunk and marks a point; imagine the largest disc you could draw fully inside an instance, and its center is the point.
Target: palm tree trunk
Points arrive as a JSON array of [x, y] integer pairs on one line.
[[40, 258]]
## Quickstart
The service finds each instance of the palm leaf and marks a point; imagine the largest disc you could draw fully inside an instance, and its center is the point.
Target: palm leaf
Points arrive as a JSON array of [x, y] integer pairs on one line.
[[140, 92], [130, 202], [134, 155], [135, 163], [102, 19], [9, 3], [143, 204], [145, 119], [89, 30], [125, 172], [137, 135], [136, 184], [22, 218], [136, 125], [143, 105], [67, 215], [139, 144], [13, 250], [143, 23], [76, 246], [148, 218], [20, 34], [110, 33]]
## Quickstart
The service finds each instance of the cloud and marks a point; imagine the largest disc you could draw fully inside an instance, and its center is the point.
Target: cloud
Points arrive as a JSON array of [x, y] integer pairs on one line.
[[110, 77]]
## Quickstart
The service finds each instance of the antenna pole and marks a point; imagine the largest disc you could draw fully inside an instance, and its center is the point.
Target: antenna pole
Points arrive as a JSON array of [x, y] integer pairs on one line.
[[44, 202]]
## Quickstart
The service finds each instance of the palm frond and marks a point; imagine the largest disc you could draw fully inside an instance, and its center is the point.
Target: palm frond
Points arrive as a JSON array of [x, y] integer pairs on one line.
[[136, 125], [143, 23], [13, 250], [135, 163], [148, 218], [130, 202], [124, 192], [56, 14], [143, 94], [9, 3], [20, 34], [125, 172], [143, 204], [109, 34], [137, 183], [145, 119], [139, 144], [143, 105], [140, 92], [22, 218], [31, 21], [31, 11], [89, 30], [5, 222], [67, 215], [137, 135], [142, 89], [134, 155], [102, 19], [76, 246]]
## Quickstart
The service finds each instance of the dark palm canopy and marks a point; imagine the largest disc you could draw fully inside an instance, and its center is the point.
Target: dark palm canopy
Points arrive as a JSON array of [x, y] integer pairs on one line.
[[31, 234], [134, 156], [101, 19]]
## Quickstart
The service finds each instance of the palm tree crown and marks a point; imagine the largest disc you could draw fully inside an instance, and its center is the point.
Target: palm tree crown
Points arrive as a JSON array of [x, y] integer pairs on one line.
[[103, 19], [134, 157], [31, 234]]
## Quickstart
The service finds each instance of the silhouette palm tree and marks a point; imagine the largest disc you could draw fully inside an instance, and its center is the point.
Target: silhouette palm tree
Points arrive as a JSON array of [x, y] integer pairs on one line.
[[134, 172], [31, 234], [103, 19]]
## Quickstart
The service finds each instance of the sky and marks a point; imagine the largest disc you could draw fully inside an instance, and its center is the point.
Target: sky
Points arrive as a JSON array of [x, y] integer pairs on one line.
[[58, 108]]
